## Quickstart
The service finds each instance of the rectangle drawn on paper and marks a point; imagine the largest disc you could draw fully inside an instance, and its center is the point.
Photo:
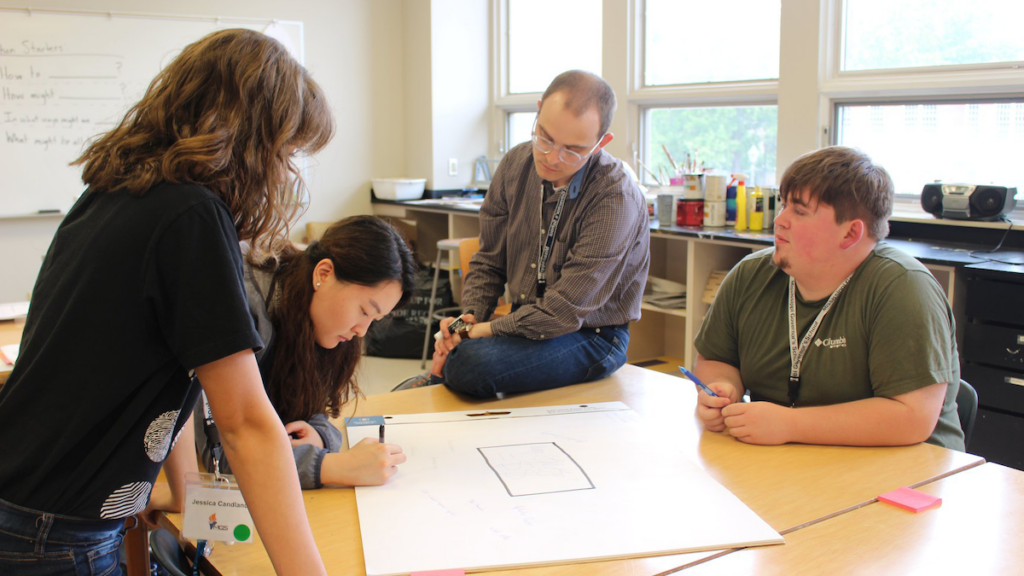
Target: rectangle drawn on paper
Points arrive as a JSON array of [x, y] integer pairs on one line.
[[541, 468]]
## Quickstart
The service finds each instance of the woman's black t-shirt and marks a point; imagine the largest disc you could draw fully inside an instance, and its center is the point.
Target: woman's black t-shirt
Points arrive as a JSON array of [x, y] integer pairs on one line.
[[134, 293]]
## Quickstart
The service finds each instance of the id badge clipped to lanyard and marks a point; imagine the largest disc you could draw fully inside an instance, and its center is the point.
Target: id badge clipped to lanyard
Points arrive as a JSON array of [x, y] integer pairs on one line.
[[215, 509]]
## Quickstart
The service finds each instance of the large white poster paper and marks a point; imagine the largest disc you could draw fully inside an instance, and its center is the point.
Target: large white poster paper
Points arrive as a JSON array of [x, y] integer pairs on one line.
[[540, 486]]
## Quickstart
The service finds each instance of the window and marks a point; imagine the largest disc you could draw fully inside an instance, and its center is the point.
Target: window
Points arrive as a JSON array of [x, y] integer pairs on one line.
[[692, 41], [882, 34], [520, 125], [548, 37], [712, 70], [732, 139], [971, 142], [934, 48], [931, 89]]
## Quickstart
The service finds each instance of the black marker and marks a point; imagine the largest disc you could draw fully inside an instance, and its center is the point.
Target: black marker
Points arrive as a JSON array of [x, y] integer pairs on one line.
[[381, 433]]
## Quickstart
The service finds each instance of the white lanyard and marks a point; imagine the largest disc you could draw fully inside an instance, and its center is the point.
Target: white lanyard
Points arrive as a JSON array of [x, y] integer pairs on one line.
[[796, 353]]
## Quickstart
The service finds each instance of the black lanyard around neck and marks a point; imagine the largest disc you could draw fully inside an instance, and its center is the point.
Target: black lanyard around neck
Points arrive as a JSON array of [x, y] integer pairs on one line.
[[548, 236], [548, 240], [797, 352]]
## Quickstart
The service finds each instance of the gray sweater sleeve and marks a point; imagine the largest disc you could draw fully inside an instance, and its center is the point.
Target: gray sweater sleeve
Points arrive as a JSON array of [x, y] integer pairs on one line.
[[331, 436], [309, 459]]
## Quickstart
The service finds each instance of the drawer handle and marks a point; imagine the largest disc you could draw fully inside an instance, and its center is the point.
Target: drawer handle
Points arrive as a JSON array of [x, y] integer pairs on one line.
[[1012, 380]]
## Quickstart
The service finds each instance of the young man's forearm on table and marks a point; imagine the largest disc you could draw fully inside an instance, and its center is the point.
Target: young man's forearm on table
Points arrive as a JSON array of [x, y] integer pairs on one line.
[[902, 420]]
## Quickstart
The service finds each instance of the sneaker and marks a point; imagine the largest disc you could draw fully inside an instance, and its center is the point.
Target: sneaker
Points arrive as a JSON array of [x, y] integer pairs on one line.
[[416, 381]]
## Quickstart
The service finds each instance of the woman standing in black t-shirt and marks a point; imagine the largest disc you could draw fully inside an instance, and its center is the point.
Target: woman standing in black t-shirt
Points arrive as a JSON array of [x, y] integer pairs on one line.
[[143, 284], [312, 309]]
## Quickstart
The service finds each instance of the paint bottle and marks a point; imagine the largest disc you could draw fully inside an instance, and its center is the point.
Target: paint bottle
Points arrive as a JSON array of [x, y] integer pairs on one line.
[[756, 209], [730, 205], [769, 208], [741, 201]]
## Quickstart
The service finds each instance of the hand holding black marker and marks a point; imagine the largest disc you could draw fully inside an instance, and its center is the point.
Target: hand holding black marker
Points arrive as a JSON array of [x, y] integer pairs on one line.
[[697, 381]]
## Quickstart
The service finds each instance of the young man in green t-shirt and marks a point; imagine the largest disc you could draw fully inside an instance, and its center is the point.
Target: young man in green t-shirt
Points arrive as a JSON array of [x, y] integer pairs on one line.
[[838, 337]]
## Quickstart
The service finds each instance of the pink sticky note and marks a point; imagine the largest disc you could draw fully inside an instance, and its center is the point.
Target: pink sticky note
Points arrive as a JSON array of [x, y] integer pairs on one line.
[[910, 499], [458, 572]]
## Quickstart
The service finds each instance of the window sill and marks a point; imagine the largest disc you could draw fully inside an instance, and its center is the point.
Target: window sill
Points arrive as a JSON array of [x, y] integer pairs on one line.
[[921, 217]]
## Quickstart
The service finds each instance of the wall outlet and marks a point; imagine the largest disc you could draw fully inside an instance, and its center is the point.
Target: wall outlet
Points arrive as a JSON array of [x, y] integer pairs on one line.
[[453, 166]]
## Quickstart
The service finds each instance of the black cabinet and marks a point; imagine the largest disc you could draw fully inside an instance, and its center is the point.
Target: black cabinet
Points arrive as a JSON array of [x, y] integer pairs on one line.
[[993, 360]]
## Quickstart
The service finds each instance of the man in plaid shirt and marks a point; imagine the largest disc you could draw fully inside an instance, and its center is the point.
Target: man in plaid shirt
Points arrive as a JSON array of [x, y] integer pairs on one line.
[[566, 227]]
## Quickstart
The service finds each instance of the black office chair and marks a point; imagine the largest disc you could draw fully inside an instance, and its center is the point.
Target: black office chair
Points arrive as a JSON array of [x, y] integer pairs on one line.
[[967, 409], [165, 551]]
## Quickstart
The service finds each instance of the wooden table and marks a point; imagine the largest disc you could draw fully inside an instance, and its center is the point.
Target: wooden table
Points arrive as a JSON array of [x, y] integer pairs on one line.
[[10, 333], [978, 529], [790, 487]]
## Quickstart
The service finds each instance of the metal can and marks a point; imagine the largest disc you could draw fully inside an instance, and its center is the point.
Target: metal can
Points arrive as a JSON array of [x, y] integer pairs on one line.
[[689, 212], [666, 209], [715, 188], [714, 214]]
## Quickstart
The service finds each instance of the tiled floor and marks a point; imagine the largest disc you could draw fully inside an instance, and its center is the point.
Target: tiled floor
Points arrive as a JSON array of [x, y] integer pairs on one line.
[[665, 364], [378, 375]]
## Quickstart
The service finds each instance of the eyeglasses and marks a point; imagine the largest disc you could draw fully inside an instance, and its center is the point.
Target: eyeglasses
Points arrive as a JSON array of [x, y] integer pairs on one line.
[[565, 156]]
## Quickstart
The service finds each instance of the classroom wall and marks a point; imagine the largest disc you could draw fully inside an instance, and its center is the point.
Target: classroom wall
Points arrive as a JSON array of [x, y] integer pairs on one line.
[[460, 77], [354, 49], [416, 93], [446, 89]]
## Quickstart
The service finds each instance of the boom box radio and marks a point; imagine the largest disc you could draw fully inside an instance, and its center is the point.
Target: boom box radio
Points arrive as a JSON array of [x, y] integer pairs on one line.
[[968, 201]]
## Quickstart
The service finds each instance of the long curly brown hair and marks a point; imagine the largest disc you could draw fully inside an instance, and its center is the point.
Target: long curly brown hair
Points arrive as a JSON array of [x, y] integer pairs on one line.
[[306, 379], [228, 114]]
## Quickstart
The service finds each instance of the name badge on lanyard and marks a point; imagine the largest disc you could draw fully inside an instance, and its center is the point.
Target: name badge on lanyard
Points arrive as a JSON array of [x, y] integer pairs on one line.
[[215, 509]]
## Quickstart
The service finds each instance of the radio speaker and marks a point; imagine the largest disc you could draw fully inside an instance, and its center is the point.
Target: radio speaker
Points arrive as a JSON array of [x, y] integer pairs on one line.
[[968, 201]]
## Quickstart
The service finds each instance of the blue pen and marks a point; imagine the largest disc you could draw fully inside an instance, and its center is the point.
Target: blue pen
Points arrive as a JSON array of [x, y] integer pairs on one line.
[[697, 381]]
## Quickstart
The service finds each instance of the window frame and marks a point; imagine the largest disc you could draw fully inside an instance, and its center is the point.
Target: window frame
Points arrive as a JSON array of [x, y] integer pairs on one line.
[[817, 79], [942, 73], [504, 102], [643, 98], [960, 84], [644, 121]]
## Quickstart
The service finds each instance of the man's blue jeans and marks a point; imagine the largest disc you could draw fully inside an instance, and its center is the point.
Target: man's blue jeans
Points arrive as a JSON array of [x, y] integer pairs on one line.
[[484, 367], [36, 543]]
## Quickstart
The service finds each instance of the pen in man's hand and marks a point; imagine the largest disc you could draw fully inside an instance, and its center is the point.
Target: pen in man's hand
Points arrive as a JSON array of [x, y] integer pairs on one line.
[[381, 433], [696, 381]]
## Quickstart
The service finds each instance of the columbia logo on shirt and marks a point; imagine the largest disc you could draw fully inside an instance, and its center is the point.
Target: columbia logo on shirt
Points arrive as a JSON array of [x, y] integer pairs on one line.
[[831, 342]]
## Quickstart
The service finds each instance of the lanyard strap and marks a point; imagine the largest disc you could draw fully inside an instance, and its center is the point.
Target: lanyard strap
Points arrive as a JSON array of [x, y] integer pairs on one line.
[[544, 250], [572, 189], [212, 435], [200, 552], [797, 352]]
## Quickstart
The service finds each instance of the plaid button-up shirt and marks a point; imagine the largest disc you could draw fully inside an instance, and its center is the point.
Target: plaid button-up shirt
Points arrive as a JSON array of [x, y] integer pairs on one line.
[[597, 268]]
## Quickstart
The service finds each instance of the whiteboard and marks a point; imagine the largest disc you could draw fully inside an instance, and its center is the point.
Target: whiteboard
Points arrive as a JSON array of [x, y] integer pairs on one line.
[[67, 76], [535, 486]]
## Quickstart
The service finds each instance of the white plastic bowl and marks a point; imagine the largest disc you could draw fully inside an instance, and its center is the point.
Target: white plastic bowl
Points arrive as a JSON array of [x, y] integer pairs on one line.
[[399, 188]]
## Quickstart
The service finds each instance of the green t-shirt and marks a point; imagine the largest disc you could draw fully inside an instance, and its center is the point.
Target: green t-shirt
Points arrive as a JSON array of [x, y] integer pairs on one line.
[[890, 331]]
